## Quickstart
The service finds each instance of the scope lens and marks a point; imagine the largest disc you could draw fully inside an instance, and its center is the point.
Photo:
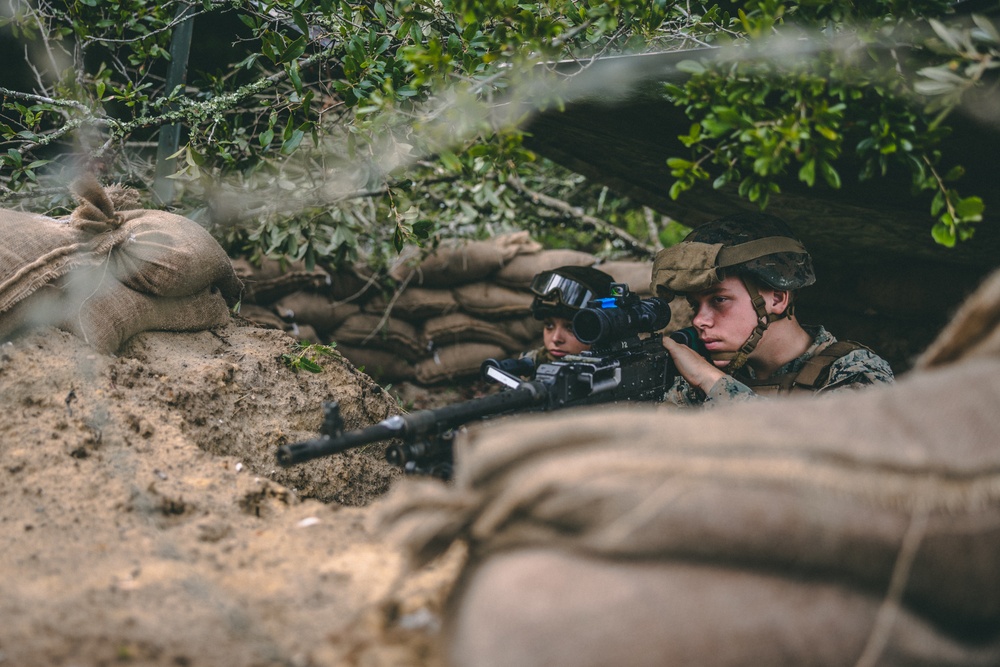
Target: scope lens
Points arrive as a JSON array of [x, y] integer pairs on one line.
[[590, 325]]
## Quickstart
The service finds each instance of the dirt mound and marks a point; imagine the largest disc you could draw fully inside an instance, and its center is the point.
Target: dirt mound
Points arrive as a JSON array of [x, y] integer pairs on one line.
[[145, 522]]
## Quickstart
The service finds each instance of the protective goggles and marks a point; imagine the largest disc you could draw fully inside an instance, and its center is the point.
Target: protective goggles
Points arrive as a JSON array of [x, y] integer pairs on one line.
[[554, 287]]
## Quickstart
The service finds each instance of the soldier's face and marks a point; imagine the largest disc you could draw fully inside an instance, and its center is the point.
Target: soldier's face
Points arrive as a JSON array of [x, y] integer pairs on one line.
[[724, 316], [559, 338]]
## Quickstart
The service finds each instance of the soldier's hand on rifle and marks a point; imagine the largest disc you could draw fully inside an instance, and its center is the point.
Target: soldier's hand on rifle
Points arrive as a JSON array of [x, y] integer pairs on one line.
[[695, 368]]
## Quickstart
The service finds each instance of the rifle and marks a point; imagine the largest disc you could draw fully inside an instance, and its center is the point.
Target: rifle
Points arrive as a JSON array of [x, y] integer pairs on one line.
[[620, 366]]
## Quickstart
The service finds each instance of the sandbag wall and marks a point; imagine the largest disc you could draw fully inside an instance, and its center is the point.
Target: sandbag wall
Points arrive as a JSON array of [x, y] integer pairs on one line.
[[431, 318]]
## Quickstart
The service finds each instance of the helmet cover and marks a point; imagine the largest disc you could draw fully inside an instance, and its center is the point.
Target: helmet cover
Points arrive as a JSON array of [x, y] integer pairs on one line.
[[757, 245]]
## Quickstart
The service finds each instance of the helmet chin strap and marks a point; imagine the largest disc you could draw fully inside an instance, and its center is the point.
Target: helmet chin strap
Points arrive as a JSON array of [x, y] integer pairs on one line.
[[739, 358]]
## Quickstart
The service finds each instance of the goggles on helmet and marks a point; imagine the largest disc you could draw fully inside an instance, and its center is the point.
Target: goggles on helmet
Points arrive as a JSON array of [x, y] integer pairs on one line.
[[553, 287]]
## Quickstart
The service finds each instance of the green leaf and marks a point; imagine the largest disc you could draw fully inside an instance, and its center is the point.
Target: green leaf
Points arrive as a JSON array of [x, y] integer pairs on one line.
[[807, 174], [300, 21], [945, 34], [690, 66], [969, 209], [827, 132], [290, 144], [310, 365], [830, 175], [293, 50], [943, 234], [293, 75], [451, 161]]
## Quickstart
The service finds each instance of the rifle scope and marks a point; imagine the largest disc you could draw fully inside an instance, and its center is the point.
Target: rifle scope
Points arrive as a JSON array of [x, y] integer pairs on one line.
[[616, 318]]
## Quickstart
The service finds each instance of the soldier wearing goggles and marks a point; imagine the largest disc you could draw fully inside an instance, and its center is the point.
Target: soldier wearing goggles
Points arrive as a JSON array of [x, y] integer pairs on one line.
[[559, 294]]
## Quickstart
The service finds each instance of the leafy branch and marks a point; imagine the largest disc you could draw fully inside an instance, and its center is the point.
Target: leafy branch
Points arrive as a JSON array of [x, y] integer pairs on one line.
[[756, 119]]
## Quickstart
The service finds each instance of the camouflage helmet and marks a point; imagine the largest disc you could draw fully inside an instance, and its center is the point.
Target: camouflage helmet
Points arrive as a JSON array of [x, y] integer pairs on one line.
[[563, 291], [755, 245]]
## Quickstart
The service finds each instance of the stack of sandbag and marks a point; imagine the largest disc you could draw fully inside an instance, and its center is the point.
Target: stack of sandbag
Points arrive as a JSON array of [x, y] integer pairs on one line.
[[858, 528], [111, 270], [435, 317], [309, 304]]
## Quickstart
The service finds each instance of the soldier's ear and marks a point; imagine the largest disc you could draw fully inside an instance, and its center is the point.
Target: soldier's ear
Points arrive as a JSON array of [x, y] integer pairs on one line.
[[780, 301]]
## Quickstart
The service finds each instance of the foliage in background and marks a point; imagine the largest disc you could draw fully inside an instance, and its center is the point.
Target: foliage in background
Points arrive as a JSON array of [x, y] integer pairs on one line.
[[323, 130], [836, 79]]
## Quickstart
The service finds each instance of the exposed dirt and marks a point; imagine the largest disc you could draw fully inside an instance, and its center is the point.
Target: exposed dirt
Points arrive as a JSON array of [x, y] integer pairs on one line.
[[143, 520]]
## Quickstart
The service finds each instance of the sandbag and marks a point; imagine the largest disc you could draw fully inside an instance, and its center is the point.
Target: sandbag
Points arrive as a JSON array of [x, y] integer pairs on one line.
[[383, 366], [491, 301], [262, 316], [455, 361], [415, 304], [391, 334], [519, 271], [460, 262], [273, 280], [34, 251], [109, 315], [461, 328], [861, 527], [526, 330], [111, 270], [317, 310]]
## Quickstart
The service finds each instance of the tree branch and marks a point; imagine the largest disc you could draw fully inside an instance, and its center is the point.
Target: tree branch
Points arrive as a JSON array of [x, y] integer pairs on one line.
[[635, 246]]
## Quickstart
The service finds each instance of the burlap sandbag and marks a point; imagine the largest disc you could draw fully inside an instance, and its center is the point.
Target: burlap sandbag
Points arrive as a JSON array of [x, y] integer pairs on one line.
[[460, 262], [262, 316], [461, 328], [381, 333], [519, 271], [317, 310], [108, 315], [103, 272], [415, 304], [34, 251], [382, 365], [859, 528], [273, 280], [491, 301], [526, 329], [452, 362]]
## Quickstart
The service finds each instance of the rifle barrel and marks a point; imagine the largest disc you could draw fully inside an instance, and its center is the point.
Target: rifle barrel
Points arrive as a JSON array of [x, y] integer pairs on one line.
[[416, 424], [325, 445]]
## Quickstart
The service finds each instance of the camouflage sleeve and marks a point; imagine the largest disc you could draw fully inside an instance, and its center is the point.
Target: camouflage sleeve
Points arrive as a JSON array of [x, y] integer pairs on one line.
[[857, 369], [532, 355], [729, 390], [681, 394], [726, 390]]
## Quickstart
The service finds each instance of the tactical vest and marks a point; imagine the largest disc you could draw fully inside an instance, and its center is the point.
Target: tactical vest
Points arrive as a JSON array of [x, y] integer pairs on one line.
[[811, 377]]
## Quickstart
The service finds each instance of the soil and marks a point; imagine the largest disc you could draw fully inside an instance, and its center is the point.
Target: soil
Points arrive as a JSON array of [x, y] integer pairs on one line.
[[144, 520]]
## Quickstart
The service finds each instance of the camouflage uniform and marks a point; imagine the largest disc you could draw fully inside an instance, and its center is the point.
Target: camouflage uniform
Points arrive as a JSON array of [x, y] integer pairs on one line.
[[858, 368], [537, 356]]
